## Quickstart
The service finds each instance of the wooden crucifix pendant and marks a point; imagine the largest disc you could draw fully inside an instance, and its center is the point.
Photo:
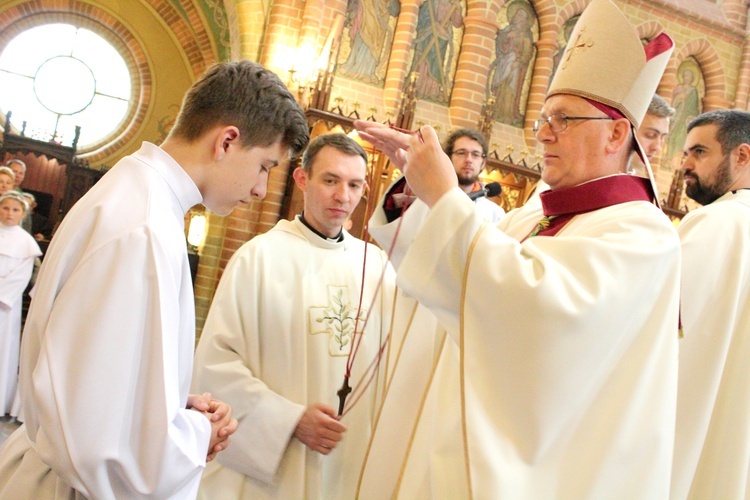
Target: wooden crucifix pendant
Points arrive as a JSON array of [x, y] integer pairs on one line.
[[342, 394]]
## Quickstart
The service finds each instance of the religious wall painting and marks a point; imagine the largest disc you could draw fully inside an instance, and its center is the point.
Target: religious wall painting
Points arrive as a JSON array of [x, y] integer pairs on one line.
[[437, 41], [218, 21], [366, 40], [510, 73], [687, 101], [562, 42]]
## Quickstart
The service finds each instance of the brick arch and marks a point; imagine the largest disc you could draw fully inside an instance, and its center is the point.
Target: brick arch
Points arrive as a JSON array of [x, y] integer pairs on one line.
[[735, 11], [20, 18], [193, 37], [571, 9], [713, 74], [477, 6], [649, 29]]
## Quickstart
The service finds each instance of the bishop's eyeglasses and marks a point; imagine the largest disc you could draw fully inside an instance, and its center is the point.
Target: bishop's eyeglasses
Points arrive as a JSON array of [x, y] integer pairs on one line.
[[559, 121]]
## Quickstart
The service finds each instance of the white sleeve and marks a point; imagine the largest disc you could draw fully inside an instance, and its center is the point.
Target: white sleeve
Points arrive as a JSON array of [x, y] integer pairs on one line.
[[111, 420], [14, 283], [396, 236], [228, 364], [526, 304]]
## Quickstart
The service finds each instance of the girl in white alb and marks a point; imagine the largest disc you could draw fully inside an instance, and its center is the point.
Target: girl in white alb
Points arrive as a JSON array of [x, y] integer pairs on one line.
[[18, 249]]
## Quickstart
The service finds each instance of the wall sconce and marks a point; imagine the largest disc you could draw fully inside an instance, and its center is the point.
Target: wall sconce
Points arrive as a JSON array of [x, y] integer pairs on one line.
[[307, 66], [303, 86], [197, 231]]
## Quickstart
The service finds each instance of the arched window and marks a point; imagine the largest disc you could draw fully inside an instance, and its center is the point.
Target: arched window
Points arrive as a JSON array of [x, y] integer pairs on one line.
[[55, 77]]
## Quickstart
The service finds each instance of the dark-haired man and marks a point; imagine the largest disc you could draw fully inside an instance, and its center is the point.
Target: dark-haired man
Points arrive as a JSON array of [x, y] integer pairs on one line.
[[467, 149], [712, 442]]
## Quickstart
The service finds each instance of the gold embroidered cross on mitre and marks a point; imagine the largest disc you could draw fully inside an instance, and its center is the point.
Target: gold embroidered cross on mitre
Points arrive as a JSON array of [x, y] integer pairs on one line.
[[577, 46]]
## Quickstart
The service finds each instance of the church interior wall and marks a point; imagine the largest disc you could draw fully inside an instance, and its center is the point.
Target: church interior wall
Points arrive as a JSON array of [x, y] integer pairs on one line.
[[171, 42]]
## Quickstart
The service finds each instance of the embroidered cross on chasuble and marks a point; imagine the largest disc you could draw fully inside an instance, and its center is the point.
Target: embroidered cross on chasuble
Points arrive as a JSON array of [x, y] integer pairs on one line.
[[561, 205]]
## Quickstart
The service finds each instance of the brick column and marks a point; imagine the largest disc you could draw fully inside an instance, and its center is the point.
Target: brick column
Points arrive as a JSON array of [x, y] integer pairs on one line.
[[546, 47], [282, 33], [251, 17], [403, 38], [743, 82], [470, 85]]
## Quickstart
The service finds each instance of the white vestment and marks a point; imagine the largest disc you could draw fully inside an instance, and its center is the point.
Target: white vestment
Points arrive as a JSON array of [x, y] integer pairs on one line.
[[559, 369], [712, 446], [276, 341], [18, 249], [107, 351], [489, 210]]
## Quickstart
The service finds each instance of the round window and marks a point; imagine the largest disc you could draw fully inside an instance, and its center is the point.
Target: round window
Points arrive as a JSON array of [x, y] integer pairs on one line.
[[58, 76]]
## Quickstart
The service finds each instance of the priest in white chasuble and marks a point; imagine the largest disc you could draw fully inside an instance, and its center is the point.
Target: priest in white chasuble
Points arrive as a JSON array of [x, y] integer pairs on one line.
[[712, 445], [294, 307], [562, 318]]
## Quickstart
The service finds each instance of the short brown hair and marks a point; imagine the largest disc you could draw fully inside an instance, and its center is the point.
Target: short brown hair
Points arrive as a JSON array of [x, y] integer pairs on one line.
[[248, 96], [660, 108], [341, 142], [733, 127], [465, 132]]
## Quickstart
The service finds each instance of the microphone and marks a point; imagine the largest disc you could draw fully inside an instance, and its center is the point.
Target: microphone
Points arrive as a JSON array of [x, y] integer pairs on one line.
[[490, 190]]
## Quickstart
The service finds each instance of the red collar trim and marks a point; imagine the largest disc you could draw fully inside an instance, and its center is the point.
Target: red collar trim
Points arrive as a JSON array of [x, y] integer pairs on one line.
[[595, 194]]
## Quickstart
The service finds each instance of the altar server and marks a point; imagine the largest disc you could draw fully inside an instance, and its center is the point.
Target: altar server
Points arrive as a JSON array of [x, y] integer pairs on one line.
[[107, 352]]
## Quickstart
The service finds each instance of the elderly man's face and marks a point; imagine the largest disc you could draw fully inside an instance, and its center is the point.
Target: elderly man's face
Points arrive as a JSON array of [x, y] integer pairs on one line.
[[19, 171], [576, 154]]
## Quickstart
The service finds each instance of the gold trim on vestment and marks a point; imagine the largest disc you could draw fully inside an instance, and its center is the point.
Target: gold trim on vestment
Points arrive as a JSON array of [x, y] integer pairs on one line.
[[388, 380], [419, 414], [462, 356]]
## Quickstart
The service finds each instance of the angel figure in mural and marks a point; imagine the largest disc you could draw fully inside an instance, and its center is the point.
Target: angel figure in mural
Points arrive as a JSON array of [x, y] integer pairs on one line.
[[686, 102], [434, 49], [514, 51], [371, 37]]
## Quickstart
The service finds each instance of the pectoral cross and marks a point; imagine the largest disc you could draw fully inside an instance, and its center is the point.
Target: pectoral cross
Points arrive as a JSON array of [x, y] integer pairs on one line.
[[342, 394], [541, 225]]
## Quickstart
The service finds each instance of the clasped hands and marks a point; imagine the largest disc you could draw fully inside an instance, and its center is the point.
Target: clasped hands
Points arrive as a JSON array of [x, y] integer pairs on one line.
[[428, 170], [219, 414]]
